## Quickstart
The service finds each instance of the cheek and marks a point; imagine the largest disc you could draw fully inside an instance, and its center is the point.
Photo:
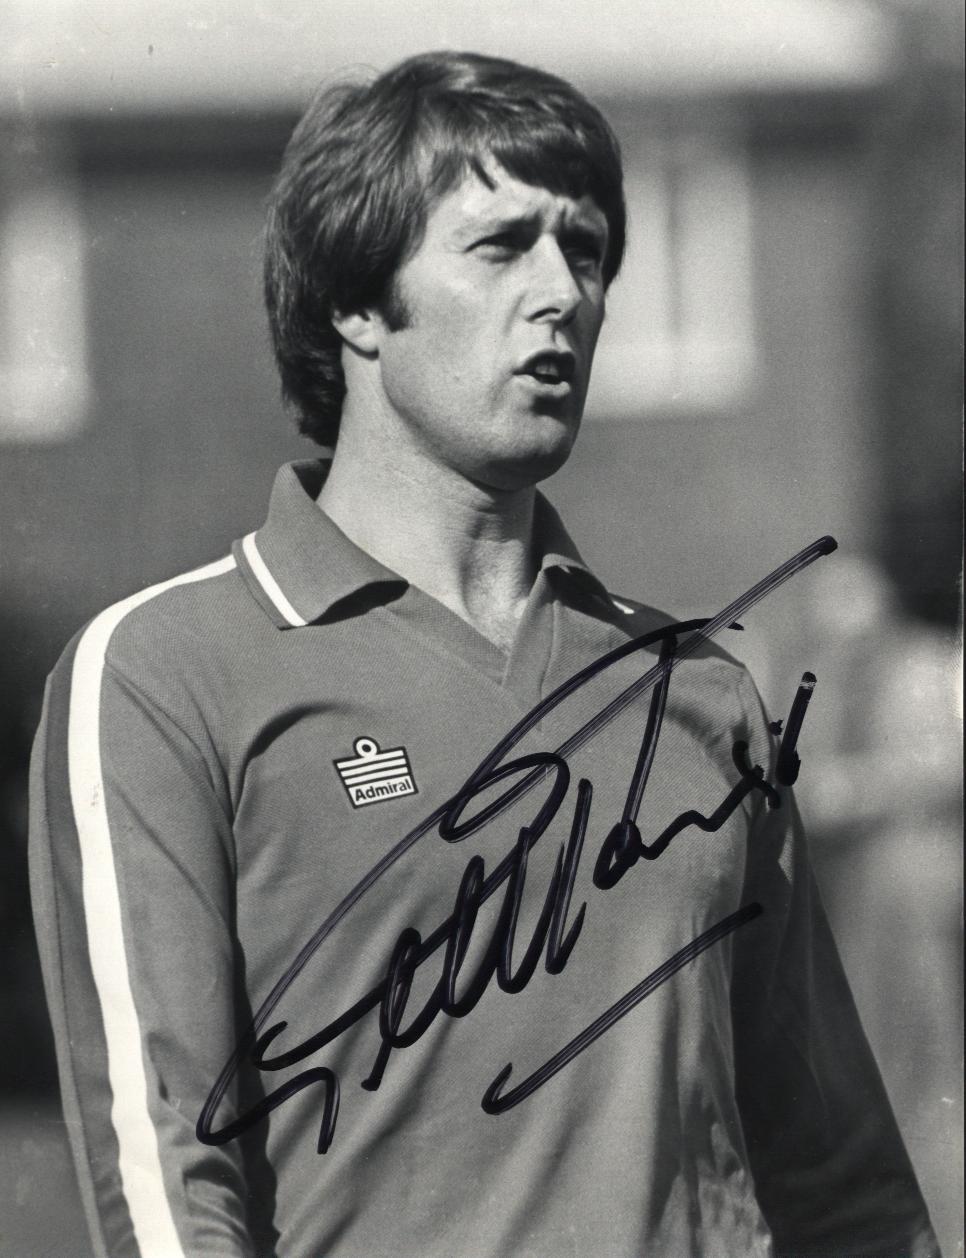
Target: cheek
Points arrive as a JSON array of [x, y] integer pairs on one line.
[[456, 345], [594, 321], [428, 369], [457, 321], [449, 355]]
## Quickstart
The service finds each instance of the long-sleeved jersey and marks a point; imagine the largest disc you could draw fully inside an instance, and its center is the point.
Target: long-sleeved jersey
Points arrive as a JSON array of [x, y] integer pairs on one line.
[[565, 992]]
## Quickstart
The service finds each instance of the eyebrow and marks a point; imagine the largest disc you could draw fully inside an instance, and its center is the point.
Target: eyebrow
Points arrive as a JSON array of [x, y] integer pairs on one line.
[[492, 226], [583, 232], [579, 228]]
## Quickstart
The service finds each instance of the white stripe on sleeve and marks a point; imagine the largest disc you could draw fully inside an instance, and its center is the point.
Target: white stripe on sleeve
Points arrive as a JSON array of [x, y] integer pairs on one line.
[[139, 1156]]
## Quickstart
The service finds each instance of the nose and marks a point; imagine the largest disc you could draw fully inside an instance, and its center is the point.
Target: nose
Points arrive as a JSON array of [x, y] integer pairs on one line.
[[554, 294]]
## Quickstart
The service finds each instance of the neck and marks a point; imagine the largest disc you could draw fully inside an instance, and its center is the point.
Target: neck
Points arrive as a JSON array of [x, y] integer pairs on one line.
[[469, 546]]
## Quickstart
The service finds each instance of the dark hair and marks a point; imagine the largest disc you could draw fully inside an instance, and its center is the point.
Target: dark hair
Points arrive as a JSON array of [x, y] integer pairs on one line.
[[365, 165]]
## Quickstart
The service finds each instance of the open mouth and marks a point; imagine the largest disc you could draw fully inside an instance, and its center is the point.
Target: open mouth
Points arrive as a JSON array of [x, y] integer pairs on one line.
[[550, 367]]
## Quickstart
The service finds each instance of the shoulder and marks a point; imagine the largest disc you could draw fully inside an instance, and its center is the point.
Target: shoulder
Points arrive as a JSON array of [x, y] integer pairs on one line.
[[162, 637], [714, 685], [694, 639], [145, 675]]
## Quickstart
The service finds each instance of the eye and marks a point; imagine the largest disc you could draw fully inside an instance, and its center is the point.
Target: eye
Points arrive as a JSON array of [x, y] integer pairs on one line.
[[500, 247], [586, 252]]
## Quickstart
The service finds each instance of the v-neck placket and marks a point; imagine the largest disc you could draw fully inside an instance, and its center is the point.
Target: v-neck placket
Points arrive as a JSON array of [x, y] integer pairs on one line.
[[526, 665], [517, 675], [301, 569]]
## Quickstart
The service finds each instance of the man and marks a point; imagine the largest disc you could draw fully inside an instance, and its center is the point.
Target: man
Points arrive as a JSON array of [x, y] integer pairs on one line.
[[381, 798]]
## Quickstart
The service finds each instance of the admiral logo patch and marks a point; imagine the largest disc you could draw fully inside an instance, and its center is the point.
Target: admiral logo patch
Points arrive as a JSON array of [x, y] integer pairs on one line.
[[372, 776]]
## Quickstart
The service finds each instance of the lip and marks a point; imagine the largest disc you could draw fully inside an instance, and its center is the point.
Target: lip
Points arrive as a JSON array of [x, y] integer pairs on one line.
[[565, 359], [543, 388], [566, 365]]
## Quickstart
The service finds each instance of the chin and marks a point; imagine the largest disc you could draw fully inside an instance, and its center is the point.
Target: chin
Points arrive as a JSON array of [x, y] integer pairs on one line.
[[522, 469]]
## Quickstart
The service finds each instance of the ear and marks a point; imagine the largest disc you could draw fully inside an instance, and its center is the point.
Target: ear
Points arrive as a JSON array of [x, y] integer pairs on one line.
[[359, 329]]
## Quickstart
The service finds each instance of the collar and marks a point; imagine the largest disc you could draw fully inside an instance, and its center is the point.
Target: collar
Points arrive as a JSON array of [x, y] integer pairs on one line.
[[299, 564]]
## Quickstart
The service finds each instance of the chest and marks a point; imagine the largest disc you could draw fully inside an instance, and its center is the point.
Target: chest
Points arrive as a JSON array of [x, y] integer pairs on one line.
[[341, 775]]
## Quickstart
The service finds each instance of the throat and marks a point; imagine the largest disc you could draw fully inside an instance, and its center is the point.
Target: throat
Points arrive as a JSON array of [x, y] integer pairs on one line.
[[498, 624], [469, 548]]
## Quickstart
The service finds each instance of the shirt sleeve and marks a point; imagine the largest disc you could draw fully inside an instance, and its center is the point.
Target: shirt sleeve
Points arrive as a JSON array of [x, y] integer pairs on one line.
[[132, 885], [832, 1174]]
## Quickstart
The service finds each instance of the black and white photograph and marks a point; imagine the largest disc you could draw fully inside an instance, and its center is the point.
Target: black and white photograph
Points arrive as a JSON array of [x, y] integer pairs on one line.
[[481, 629]]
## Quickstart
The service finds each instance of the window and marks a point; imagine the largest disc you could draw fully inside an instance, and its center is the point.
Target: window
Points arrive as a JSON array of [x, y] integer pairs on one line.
[[44, 379], [680, 332]]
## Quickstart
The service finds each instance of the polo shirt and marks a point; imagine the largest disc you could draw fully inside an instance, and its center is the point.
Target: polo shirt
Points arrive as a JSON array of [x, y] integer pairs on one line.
[[239, 812]]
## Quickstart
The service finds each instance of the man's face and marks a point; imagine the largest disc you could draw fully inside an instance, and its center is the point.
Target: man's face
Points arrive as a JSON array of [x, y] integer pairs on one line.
[[504, 299]]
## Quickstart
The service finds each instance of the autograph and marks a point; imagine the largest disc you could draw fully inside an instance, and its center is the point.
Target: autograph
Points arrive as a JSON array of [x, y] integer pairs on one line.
[[555, 934]]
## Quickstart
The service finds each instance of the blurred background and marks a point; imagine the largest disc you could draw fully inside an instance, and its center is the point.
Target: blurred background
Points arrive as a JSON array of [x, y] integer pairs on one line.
[[781, 360]]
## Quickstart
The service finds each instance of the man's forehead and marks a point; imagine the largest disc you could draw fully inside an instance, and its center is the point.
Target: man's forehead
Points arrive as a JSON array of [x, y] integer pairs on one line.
[[472, 202]]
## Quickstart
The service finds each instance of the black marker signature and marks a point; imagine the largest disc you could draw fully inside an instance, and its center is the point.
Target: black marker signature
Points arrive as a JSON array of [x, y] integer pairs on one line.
[[619, 852]]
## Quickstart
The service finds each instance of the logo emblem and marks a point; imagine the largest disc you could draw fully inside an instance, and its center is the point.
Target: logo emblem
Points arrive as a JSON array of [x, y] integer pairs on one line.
[[371, 775]]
